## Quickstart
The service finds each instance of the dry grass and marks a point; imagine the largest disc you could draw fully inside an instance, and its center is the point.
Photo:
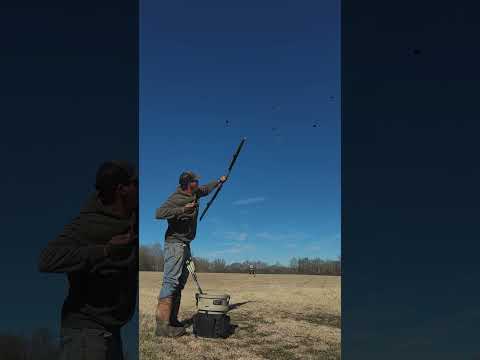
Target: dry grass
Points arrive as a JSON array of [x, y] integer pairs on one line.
[[284, 317]]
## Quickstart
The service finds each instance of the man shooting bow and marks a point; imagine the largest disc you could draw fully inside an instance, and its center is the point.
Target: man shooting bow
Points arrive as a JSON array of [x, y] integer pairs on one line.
[[181, 212]]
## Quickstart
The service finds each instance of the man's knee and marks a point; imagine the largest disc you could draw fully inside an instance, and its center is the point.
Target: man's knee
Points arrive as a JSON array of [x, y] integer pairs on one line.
[[173, 277], [172, 286]]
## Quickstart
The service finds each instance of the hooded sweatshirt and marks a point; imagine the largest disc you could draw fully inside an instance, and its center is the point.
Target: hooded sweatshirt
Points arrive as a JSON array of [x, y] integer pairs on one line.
[[102, 288], [182, 226]]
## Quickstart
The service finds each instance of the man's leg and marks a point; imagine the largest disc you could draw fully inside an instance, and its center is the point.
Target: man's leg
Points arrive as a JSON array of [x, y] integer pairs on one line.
[[71, 345], [177, 297], [91, 344], [174, 254], [116, 346]]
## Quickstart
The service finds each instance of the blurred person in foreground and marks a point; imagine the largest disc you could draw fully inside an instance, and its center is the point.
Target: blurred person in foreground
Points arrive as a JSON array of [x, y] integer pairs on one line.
[[98, 251]]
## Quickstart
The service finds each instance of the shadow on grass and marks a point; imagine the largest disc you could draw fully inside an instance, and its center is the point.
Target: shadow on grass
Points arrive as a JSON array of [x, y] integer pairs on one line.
[[232, 329], [187, 322], [323, 319], [237, 305]]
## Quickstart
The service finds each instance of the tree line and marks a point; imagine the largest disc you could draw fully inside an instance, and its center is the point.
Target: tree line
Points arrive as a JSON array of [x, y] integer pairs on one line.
[[151, 259]]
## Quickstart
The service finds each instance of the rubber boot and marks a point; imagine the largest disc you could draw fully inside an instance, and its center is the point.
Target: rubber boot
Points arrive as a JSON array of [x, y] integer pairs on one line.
[[175, 308], [163, 313]]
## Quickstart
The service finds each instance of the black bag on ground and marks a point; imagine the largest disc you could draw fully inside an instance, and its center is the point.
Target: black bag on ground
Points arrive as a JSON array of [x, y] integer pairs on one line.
[[211, 325]]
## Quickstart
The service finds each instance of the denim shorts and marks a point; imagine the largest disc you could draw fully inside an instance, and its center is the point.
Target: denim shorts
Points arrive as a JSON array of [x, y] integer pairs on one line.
[[175, 272]]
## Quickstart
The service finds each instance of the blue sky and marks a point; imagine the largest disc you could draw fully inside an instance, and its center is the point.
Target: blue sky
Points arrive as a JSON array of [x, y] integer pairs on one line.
[[272, 70]]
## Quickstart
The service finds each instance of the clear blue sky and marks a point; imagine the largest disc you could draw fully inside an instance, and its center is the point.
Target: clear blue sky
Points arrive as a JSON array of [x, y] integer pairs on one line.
[[272, 70]]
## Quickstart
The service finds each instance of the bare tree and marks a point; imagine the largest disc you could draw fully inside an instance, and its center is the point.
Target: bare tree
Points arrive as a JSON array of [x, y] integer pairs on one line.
[[219, 265], [201, 264], [151, 258], [156, 252]]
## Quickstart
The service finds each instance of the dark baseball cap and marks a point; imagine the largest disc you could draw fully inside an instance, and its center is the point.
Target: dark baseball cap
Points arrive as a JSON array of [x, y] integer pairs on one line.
[[115, 172], [187, 177]]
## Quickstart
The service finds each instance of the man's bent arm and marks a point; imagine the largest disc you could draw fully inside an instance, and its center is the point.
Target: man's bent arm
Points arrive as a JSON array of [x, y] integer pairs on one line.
[[64, 255], [168, 210]]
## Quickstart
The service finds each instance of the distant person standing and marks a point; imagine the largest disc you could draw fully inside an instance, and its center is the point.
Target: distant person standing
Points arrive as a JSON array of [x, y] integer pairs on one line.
[[98, 251], [181, 211], [251, 270]]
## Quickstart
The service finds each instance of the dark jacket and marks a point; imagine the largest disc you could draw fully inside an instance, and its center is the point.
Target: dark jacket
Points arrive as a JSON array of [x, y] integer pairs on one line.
[[182, 227], [103, 290]]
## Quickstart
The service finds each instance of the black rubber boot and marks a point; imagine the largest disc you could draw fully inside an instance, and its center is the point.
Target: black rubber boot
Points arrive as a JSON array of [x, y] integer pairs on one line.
[[175, 308]]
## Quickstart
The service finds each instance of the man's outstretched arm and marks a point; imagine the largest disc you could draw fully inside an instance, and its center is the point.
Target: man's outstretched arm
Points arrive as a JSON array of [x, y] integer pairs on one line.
[[204, 190]]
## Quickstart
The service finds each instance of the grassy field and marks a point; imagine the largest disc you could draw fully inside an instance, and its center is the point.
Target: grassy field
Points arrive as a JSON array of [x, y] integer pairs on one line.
[[277, 316]]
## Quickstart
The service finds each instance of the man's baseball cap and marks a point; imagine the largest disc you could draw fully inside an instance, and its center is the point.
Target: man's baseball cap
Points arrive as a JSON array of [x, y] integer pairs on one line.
[[115, 172], [187, 177]]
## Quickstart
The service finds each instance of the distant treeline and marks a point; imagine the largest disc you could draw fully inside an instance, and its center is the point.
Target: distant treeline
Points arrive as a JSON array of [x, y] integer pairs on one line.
[[151, 259], [40, 345]]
